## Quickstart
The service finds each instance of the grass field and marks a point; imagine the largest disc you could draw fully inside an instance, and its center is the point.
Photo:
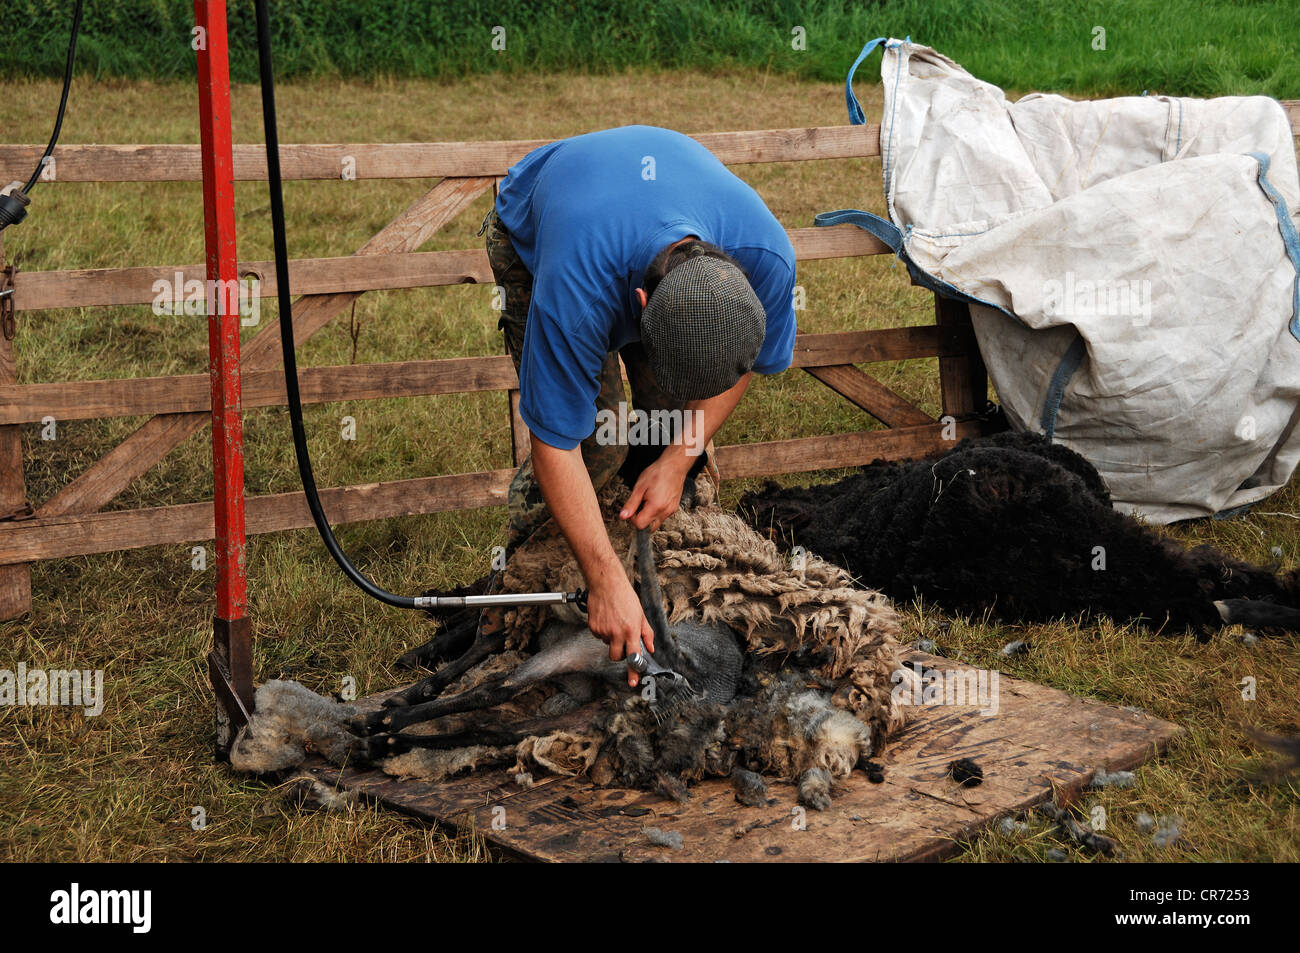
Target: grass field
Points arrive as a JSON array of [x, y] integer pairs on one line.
[[1198, 48], [123, 786]]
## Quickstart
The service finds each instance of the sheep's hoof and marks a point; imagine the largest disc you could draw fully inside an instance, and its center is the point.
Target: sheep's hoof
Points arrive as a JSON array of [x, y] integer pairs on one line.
[[373, 723], [381, 746], [1259, 614]]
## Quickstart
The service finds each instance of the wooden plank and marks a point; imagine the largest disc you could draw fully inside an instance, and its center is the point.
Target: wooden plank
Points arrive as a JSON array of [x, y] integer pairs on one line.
[[93, 287], [190, 393], [1040, 743], [883, 344], [180, 163], [963, 380], [15, 581], [158, 436], [53, 537], [835, 241], [871, 395], [406, 160], [406, 233], [803, 454]]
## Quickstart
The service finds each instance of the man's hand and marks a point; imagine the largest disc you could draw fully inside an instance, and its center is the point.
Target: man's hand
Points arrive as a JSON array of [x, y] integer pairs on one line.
[[614, 616], [614, 613], [658, 490]]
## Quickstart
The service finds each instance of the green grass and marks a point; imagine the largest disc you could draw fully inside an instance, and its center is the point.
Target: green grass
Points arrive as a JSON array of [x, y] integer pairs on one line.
[[1210, 47], [122, 786]]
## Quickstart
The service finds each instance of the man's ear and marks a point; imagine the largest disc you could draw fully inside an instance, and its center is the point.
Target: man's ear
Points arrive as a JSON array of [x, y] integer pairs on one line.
[[641, 296]]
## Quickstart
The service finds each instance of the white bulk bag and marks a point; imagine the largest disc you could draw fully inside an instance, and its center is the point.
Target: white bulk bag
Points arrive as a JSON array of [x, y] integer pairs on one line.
[[1131, 265]]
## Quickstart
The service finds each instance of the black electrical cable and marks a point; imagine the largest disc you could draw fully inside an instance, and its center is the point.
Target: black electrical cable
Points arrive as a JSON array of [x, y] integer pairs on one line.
[[267, 74], [14, 203], [286, 322], [63, 99]]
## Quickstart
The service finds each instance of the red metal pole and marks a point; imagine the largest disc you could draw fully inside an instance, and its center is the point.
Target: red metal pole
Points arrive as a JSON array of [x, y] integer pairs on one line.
[[231, 661]]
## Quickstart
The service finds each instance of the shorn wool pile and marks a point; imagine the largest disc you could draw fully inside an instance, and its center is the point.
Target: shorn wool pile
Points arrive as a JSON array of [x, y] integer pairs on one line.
[[791, 671], [1023, 528]]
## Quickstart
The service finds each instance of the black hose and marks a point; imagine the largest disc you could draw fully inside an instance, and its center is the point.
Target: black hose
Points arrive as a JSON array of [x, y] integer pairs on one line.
[[286, 325], [291, 376], [63, 99]]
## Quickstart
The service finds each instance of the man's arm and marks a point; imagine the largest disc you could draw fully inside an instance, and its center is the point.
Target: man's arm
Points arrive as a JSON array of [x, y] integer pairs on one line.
[[658, 491], [614, 612]]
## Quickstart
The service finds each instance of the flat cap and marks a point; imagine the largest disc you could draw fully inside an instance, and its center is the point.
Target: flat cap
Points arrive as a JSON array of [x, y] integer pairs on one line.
[[702, 328]]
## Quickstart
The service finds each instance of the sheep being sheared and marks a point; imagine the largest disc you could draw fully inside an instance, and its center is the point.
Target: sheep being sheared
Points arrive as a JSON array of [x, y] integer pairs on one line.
[[787, 669], [1021, 527]]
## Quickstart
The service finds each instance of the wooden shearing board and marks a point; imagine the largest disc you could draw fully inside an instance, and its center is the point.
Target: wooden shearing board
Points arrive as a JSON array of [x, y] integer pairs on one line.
[[1039, 740]]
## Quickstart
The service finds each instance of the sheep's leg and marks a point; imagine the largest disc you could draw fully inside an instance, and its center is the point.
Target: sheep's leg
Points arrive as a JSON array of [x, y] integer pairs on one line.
[[454, 640], [398, 717], [484, 644], [378, 747], [576, 651], [1259, 614], [489, 729], [458, 626]]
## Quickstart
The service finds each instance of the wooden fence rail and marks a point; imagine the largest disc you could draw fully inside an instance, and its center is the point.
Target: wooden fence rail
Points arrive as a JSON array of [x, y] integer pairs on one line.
[[69, 523]]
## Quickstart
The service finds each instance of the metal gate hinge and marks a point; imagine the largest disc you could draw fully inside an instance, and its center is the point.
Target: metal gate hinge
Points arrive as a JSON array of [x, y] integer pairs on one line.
[[7, 324]]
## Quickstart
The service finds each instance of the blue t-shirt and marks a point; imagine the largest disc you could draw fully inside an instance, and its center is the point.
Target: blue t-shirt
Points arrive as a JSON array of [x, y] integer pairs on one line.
[[586, 216]]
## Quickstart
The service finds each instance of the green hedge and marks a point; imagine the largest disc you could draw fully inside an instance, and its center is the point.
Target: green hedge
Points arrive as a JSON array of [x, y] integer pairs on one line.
[[1207, 48]]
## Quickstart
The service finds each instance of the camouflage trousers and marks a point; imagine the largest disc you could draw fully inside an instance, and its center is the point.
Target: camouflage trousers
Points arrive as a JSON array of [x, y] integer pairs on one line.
[[527, 508]]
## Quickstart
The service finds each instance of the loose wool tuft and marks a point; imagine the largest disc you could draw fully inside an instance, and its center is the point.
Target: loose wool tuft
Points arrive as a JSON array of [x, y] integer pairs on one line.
[[437, 765], [815, 788]]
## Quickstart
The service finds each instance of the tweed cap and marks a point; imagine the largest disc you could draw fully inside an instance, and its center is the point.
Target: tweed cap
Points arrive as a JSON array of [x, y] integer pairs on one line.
[[702, 328]]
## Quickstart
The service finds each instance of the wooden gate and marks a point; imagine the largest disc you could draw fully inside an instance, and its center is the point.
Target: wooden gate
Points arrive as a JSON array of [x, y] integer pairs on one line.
[[71, 522]]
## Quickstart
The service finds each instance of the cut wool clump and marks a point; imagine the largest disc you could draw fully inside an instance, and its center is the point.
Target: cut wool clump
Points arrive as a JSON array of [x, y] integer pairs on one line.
[[966, 772], [1112, 779], [1168, 832], [875, 772], [1010, 827], [1083, 836], [438, 765], [815, 789], [661, 838], [308, 793], [749, 787]]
